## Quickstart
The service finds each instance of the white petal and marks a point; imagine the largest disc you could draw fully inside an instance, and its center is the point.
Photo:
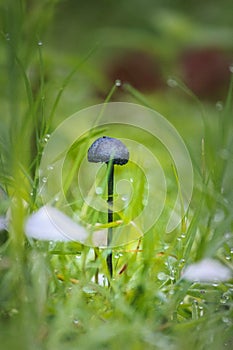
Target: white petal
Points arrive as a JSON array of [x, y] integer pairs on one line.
[[49, 223], [207, 270]]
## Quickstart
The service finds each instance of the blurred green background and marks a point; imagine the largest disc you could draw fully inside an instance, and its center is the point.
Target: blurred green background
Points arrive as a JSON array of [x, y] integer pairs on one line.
[[140, 42]]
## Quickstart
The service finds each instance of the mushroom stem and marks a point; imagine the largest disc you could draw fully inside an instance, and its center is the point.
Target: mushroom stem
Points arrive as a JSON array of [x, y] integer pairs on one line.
[[110, 167], [110, 151]]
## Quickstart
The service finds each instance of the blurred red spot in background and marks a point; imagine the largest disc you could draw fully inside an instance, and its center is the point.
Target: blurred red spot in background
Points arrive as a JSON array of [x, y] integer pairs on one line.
[[137, 68], [206, 71]]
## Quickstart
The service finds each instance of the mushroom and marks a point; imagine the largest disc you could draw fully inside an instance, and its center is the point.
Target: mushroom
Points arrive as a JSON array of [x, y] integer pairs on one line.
[[110, 151]]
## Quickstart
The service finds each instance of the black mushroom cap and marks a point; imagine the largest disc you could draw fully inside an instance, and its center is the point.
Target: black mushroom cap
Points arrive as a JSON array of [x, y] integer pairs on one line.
[[106, 149]]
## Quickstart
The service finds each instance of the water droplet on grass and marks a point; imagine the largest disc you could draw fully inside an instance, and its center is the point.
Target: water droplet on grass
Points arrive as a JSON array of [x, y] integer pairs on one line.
[[224, 298], [181, 262], [39, 43], [44, 179], [225, 319], [50, 167], [118, 82], [56, 198], [172, 82], [219, 106], [215, 284], [89, 290], [98, 190], [201, 311], [124, 198], [162, 276], [231, 68], [228, 235]]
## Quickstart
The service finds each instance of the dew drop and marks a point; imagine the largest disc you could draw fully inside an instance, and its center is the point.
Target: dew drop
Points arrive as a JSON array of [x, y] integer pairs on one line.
[[162, 276], [124, 198], [7, 36], [182, 235], [225, 319], [50, 167], [131, 180], [219, 106], [56, 199], [181, 262], [172, 83], [215, 284], [51, 244], [76, 322], [224, 298], [39, 43], [201, 311], [98, 190], [44, 139], [118, 83], [89, 290], [231, 250], [231, 68], [228, 235], [228, 257], [44, 179], [145, 202]]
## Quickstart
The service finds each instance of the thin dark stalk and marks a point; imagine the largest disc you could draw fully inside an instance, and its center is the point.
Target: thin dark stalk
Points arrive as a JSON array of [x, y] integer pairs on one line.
[[110, 166]]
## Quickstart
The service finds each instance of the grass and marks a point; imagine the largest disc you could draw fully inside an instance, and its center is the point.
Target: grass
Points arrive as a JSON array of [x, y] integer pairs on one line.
[[49, 295]]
